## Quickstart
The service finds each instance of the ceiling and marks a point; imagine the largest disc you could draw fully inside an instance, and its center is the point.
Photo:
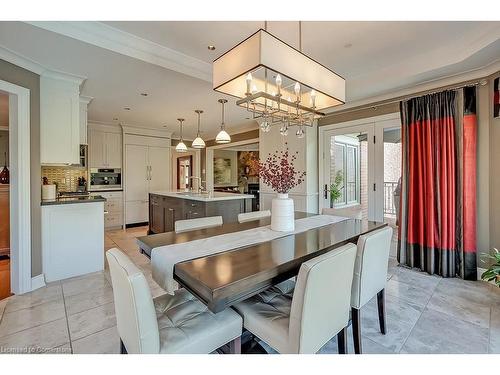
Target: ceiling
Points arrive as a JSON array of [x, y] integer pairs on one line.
[[170, 61]]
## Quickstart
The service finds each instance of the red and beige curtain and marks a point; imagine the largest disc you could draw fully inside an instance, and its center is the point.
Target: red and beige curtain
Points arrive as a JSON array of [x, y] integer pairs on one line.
[[438, 202]]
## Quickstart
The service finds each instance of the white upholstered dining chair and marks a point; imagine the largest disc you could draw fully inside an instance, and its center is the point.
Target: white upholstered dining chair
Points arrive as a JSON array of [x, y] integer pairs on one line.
[[352, 212], [166, 324], [188, 225], [253, 216], [316, 311], [370, 278]]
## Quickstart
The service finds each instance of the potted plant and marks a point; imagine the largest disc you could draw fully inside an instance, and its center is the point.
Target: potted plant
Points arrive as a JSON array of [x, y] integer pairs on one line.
[[278, 172], [493, 273], [336, 188]]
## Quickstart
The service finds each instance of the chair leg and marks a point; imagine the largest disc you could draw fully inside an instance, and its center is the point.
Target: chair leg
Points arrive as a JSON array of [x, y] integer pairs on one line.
[[342, 341], [123, 350], [235, 346], [381, 310], [356, 329]]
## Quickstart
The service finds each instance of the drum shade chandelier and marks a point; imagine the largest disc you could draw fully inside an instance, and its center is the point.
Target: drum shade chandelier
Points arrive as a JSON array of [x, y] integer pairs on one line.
[[277, 83]]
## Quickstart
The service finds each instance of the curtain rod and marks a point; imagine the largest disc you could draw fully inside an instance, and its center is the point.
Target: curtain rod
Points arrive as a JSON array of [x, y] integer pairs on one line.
[[398, 99]]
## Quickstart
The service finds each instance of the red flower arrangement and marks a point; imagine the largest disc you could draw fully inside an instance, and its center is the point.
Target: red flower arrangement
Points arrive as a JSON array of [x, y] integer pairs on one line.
[[278, 171]]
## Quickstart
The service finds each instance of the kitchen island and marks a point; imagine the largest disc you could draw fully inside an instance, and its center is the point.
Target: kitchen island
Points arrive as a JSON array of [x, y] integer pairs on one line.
[[166, 207]]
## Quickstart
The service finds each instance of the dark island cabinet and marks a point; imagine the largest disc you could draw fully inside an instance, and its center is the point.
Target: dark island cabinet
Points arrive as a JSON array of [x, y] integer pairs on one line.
[[165, 211]]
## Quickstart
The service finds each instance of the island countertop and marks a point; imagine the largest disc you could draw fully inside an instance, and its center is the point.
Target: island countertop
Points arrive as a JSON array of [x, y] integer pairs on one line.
[[203, 197]]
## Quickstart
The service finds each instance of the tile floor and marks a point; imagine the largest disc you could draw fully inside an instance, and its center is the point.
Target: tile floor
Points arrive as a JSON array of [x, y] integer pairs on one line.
[[425, 314]]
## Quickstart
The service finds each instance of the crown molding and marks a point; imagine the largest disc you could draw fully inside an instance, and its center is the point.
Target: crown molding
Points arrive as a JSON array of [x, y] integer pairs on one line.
[[86, 99], [73, 78], [137, 130], [471, 75], [105, 36], [32, 66], [21, 61]]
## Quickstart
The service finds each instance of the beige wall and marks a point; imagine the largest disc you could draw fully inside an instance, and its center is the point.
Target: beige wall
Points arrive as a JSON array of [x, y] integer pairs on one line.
[[21, 77]]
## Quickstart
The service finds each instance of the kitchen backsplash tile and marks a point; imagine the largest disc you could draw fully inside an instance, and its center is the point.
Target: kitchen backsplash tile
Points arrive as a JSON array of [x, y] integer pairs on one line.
[[66, 178]]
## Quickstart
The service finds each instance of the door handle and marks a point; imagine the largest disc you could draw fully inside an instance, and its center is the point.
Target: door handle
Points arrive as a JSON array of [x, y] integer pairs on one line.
[[326, 192], [150, 173]]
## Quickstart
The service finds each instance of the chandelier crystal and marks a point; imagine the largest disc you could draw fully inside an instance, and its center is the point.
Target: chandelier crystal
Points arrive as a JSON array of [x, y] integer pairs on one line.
[[181, 147], [223, 136], [198, 141], [277, 83]]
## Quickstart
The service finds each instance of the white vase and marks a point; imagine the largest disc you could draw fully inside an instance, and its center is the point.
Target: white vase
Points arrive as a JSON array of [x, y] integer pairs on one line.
[[282, 214]]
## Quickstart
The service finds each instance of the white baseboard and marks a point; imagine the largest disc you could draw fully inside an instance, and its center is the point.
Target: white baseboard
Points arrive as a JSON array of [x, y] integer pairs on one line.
[[37, 282], [480, 271]]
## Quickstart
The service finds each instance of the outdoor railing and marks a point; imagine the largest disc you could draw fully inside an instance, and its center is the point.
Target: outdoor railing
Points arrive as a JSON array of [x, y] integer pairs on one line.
[[389, 207]]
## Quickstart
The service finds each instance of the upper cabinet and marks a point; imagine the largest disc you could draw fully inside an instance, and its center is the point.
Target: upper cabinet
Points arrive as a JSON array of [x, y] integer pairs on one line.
[[59, 119], [84, 104], [105, 146]]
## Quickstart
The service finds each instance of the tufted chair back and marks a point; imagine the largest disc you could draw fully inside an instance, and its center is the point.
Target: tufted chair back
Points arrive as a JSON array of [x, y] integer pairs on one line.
[[134, 308], [194, 224], [253, 216], [370, 269], [321, 300]]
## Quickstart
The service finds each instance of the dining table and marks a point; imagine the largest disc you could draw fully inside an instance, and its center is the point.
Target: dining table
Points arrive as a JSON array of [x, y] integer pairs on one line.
[[223, 279]]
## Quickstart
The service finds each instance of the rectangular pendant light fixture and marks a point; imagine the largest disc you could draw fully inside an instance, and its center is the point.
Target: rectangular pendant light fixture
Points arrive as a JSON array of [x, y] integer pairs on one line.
[[265, 57]]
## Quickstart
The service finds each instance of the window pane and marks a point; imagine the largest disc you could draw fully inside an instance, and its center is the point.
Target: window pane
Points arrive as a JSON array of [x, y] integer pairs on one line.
[[351, 174]]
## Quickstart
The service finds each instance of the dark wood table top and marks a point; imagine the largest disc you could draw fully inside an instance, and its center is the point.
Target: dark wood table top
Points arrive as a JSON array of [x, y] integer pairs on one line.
[[148, 243], [223, 279]]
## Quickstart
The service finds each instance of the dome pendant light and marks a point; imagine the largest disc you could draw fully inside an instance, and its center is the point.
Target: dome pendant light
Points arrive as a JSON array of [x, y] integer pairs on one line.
[[222, 137], [198, 142], [181, 147]]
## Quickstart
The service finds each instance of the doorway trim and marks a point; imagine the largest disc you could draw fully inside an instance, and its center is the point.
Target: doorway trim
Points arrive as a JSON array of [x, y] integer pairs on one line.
[[378, 131], [20, 211], [209, 155]]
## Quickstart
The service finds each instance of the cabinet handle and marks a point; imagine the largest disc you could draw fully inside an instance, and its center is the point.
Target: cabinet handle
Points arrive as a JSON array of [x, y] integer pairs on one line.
[[170, 209]]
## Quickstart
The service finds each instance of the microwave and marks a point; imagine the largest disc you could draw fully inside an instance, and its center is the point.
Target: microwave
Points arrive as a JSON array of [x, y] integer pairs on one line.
[[105, 179]]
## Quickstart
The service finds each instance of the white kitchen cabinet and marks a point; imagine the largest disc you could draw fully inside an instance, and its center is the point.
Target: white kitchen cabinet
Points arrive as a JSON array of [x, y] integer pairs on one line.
[[113, 208], [105, 147], [147, 169], [84, 103], [113, 150], [59, 119]]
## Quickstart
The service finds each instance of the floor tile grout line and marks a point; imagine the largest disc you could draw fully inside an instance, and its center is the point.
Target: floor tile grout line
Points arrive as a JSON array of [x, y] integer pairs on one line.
[[93, 333], [35, 326], [67, 323], [420, 317]]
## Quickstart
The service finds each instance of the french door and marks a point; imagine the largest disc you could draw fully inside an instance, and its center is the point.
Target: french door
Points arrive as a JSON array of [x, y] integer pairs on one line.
[[352, 162]]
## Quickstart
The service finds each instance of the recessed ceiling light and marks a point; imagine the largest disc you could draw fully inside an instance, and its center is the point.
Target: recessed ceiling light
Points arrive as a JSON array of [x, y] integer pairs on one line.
[[144, 93], [126, 108], [348, 45], [211, 47]]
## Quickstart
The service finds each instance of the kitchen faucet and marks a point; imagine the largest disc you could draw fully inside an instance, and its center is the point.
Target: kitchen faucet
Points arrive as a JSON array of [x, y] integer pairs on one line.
[[200, 186]]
